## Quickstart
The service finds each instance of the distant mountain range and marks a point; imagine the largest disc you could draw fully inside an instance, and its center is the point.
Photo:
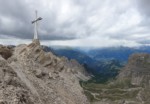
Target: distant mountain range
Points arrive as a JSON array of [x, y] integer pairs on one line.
[[118, 53], [103, 63]]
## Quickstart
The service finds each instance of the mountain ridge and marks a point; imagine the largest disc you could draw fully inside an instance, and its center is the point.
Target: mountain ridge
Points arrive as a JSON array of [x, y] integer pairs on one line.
[[32, 76]]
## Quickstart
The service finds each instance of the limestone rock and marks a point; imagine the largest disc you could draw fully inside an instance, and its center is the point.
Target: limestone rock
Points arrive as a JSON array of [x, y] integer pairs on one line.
[[33, 76], [5, 52], [137, 70]]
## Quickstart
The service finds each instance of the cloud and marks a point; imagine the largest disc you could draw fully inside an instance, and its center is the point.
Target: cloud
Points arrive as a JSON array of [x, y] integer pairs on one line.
[[74, 22], [90, 42], [143, 6], [94, 42]]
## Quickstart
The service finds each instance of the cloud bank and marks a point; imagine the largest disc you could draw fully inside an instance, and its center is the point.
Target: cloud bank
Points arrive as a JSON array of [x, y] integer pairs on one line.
[[93, 23]]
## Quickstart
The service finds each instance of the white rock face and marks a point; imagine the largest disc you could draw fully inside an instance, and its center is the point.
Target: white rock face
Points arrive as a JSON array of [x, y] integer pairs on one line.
[[32, 76]]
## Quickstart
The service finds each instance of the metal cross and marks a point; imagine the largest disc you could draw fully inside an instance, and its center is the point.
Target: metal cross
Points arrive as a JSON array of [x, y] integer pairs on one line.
[[35, 25]]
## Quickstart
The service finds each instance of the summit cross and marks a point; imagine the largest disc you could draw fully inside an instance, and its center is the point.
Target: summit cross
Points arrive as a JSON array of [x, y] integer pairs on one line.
[[35, 22]]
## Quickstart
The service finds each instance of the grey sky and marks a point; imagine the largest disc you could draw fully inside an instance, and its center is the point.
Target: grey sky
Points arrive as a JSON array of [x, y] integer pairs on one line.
[[93, 23]]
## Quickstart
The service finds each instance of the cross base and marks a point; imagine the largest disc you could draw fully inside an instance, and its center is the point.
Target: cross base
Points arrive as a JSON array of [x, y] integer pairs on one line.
[[36, 41]]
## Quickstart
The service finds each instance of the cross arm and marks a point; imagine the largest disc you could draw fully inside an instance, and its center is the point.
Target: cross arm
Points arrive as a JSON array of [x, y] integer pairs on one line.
[[38, 19]]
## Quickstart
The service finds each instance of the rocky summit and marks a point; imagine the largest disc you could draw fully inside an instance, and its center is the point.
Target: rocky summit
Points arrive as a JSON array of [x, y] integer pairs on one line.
[[29, 75]]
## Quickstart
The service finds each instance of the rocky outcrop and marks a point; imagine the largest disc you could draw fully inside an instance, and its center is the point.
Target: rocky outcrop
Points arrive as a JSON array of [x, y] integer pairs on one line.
[[32, 76], [137, 70], [5, 51]]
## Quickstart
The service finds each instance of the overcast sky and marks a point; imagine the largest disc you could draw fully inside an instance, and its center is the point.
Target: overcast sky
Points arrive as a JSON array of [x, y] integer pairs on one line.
[[90, 23]]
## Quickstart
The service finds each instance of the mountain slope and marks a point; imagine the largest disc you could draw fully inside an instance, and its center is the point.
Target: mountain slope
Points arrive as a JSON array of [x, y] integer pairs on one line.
[[102, 70], [32, 76], [131, 86]]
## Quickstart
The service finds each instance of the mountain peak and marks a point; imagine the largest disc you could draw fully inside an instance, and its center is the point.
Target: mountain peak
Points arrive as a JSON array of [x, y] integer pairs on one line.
[[33, 76]]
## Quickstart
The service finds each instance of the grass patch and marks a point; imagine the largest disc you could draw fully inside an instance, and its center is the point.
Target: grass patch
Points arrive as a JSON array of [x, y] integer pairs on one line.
[[116, 90]]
